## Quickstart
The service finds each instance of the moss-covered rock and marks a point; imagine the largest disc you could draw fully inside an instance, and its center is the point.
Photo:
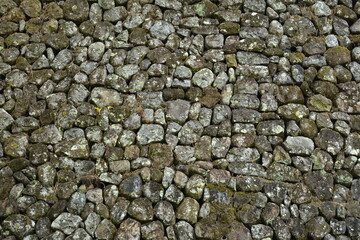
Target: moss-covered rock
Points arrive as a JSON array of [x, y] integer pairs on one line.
[[229, 28], [327, 73], [32, 8], [251, 44], [205, 8], [283, 173], [17, 39], [6, 184], [57, 41], [325, 88], [211, 97], [76, 10], [52, 11], [20, 225], [7, 28], [161, 155], [293, 111], [319, 103], [188, 210], [221, 223], [338, 56]]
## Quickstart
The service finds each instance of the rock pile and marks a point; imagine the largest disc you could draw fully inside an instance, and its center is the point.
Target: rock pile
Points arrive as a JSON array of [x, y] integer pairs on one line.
[[179, 119]]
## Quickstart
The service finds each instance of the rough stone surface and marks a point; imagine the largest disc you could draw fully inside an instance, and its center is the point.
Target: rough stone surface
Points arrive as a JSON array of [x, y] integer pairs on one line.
[[179, 119]]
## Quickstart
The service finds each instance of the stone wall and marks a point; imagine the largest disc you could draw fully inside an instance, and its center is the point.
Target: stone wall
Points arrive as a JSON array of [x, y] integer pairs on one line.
[[179, 119]]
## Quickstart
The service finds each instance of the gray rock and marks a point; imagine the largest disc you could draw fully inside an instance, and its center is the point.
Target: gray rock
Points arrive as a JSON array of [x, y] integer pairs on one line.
[[190, 132], [95, 195], [283, 78], [297, 25], [149, 133], [255, 6], [245, 101], [243, 154], [261, 231], [281, 172], [153, 191], [80, 234], [131, 187], [62, 59], [66, 116], [221, 113], [96, 51], [16, 145], [119, 211], [188, 210], [293, 111], [37, 210], [352, 144], [354, 68], [355, 27], [300, 194], [249, 169], [173, 4], [338, 227], [184, 154], [141, 209], [91, 223], [271, 127], [105, 230], [329, 140], [152, 230], [220, 146], [164, 211], [16, 78], [173, 195], [321, 183], [78, 93], [103, 97], [5, 119], [352, 225], [254, 32], [183, 72], [315, 61], [76, 203], [341, 26], [250, 58], [19, 225], [151, 99], [321, 9], [184, 231], [243, 115], [106, 4], [299, 145], [66, 222], [76, 11], [177, 111], [317, 227], [134, 20], [25, 124], [129, 230], [136, 54], [297, 73], [308, 211], [115, 14], [46, 174], [4, 68], [76, 148], [161, 29], [281, 229], [203, 78], [276, 192]]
